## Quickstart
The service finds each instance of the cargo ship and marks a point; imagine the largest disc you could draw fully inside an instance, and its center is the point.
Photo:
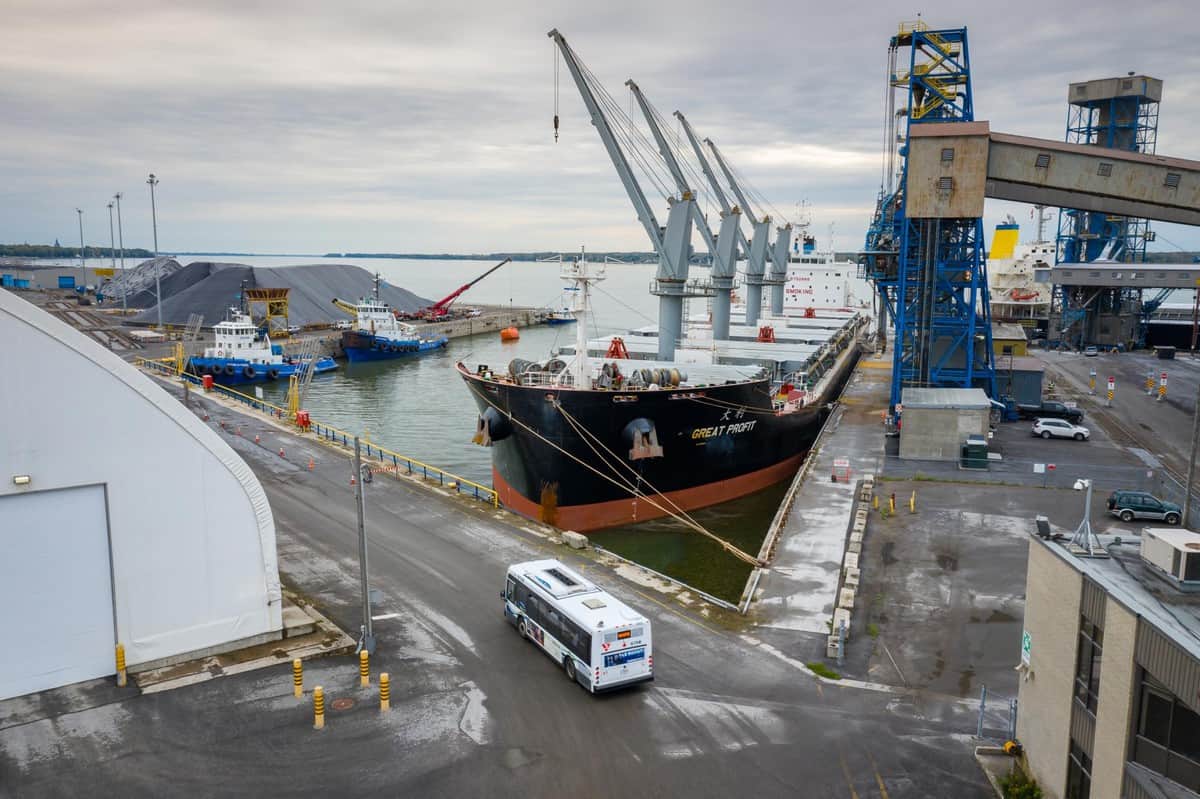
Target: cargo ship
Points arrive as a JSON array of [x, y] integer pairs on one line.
[[377, 334], [243, 353], [589, 443]]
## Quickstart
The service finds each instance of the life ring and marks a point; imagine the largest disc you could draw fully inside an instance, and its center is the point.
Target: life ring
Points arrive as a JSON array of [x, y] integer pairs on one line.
[[229, 370], [220, 353], [249, 372], [273, 373]]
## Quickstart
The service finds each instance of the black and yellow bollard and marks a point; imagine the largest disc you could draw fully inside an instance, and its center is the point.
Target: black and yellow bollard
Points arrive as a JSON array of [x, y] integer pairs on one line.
[[364, 668], [318, 708], [892, 503], [385, 692], [121, 678], [297, 678]]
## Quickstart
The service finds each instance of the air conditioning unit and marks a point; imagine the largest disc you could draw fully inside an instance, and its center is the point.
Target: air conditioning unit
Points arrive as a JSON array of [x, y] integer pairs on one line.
[[1174, 555]]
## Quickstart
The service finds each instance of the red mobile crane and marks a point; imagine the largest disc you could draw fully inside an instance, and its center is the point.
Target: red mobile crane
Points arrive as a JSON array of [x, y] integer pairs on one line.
[[441, 308]]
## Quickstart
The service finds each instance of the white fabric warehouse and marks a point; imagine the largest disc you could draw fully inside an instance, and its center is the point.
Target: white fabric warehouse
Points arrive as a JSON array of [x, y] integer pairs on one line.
[[139, 525]]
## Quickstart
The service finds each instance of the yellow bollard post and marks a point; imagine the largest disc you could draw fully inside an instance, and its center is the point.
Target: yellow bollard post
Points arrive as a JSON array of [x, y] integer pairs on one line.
[[298, 678], [892, 504], [364, 668], [912, 502], [318, 708], [875, 502], [385, 692], [122, 679]]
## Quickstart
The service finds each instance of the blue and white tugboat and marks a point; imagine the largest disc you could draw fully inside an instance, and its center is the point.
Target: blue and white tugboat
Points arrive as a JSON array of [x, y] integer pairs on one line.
[[378, 335], [243, 353]]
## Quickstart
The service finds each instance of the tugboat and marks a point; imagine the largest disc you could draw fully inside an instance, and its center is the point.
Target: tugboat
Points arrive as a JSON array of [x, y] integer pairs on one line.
[[585, 444], [377, 333], [243, 353]]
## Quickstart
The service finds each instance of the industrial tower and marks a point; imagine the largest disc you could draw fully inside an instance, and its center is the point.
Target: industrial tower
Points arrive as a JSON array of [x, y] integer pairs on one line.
[[1119, 113], [930, 272]]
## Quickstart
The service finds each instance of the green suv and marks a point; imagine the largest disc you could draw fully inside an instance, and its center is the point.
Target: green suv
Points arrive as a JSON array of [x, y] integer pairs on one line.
[[1130, 505]]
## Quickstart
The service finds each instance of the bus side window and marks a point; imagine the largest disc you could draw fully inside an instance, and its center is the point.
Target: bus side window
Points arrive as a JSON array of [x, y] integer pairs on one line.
[[510, 592]]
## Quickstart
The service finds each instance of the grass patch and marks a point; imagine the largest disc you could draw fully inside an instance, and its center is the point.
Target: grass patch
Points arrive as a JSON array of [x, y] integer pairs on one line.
[[1017, 786], [821, 670], [873, 630]]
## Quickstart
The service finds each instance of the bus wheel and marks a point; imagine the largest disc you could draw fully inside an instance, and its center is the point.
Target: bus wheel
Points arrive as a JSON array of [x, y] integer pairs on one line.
[[569, 667], [523, 629]]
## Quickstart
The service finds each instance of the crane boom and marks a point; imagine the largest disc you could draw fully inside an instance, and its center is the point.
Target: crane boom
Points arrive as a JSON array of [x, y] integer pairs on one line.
[[733, 184], [440, 307], [712, 179], [624, 171], [349, 308]]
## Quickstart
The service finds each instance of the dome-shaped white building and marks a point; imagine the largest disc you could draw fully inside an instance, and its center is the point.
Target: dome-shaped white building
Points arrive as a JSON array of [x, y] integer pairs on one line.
[[123, 517]]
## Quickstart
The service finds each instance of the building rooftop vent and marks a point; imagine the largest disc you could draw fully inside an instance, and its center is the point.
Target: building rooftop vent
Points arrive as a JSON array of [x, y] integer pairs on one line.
[[1173, 555]]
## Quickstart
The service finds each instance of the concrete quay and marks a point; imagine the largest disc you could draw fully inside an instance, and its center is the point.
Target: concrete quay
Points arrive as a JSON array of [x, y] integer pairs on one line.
[[474, 709]]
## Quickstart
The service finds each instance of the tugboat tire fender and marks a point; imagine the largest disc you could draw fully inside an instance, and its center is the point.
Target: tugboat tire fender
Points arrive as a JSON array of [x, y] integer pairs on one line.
[[273, 373], [249, 372], [229, 370]]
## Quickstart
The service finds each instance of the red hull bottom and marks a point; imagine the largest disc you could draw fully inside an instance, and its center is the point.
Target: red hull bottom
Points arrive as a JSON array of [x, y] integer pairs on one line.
[[598, 515]]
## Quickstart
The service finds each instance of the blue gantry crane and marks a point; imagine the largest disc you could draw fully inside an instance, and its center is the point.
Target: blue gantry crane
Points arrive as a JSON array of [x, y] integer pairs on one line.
[[930, 273]]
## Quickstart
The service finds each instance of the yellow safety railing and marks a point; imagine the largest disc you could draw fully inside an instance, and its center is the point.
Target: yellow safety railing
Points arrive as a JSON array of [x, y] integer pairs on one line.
[[391, 462], [909, 26]]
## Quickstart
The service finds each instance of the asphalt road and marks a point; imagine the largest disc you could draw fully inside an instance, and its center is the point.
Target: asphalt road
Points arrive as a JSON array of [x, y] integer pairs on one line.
[[476, 710]]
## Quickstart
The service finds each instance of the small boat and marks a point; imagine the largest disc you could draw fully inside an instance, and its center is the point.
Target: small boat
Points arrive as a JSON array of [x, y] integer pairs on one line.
[[378, 335], [243, 353], [562, 317]]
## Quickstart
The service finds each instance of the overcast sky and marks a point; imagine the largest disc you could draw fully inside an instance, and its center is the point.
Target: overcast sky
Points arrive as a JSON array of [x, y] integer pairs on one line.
[[307, 127]]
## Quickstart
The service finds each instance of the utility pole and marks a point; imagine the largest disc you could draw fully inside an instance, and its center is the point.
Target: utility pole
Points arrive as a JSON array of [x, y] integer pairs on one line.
[[1191, 474], [153, 181], [121, 241], [367, 641], [82, 262]]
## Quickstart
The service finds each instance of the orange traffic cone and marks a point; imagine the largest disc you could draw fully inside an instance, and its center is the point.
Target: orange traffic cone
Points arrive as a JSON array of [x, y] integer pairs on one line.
[[255, 439], [281, 452], [353, 480], [310, 464]]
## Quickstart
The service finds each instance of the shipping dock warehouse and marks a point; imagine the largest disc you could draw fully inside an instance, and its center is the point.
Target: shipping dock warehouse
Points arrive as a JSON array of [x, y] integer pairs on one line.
[[1109, 690], [125, 520]]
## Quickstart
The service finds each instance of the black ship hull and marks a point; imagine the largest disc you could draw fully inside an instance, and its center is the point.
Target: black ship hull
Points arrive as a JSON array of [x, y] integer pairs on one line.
[[580, 459]]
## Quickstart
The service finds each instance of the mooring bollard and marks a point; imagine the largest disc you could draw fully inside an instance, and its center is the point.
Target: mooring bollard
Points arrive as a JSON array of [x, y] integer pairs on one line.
[[912, 502], [875, 502], [385, 692], [298, 678], [364, 668], [122, 679], [318, 708]]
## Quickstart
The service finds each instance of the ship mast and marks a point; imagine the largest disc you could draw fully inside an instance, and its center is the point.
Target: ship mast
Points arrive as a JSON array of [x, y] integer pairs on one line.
[[577, 272]]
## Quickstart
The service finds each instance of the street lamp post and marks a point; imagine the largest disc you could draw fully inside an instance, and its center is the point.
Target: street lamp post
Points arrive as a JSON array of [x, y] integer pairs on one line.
[[152, 182], [82, 262], [112, 239], [121, 241]]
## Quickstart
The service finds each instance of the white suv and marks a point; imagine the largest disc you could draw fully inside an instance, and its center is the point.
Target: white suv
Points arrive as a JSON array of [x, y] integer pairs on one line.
[[1060, 428]]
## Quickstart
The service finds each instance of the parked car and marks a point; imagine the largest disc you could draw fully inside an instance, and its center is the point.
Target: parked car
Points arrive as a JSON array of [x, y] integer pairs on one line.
[[1050, 410], [293, 329], [1130, 505], [1091, 352], [345, 324], [1060, 428]]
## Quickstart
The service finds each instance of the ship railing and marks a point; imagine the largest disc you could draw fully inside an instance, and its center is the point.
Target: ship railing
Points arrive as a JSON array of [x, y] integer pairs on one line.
[[388, 461], [546, 379]]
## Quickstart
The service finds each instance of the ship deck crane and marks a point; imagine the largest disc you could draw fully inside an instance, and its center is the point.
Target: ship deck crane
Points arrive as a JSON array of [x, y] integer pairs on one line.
[[759, 249], [723, 246], [672, 243]]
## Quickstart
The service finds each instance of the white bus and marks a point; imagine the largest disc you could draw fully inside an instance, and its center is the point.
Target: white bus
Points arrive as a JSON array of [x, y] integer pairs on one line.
[[601, 642]]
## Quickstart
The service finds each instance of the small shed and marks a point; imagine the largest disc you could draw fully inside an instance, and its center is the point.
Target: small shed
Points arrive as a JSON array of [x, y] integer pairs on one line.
[[1009, 339], [935, 422], [1020, 378]]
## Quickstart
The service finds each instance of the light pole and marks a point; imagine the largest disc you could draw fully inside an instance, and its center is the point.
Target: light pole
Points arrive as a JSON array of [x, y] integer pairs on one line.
[[121, 241], [1191, 473], [112, 240], [367, 640], [82, 263], [152, 182]]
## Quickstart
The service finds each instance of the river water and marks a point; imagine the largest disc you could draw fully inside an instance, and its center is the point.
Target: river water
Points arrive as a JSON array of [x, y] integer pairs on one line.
[[420, 408]]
